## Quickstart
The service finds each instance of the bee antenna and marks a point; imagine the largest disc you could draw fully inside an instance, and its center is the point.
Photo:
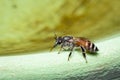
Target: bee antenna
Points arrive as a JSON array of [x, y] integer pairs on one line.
[[55, 35]]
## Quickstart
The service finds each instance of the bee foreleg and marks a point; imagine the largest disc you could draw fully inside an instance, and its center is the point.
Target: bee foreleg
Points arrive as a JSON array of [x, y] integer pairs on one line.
[[60, 49], [84, 53]]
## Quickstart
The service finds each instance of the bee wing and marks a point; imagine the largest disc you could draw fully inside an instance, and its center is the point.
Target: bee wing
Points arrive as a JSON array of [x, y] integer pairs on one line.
[[83, 38]]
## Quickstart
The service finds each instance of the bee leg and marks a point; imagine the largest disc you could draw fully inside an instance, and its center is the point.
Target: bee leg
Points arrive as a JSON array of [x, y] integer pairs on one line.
[[70, 53], [60, 49], [64, 49], [84, 53]]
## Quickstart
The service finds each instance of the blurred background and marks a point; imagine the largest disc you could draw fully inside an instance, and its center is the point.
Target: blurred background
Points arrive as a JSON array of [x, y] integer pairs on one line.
[[29, 25]]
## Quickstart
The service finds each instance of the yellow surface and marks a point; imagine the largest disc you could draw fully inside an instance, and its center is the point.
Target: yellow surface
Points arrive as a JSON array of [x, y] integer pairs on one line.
[[28, 25]]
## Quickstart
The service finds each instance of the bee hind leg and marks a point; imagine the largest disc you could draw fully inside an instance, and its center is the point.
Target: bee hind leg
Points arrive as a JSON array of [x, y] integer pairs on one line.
[[83, 53]]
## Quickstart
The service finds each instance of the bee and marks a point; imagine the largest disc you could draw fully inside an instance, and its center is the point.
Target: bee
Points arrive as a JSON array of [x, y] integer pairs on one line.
[[71, 42]]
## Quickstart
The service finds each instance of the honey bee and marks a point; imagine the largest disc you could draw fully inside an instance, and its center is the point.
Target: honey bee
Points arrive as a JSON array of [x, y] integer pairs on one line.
[[69, 41]]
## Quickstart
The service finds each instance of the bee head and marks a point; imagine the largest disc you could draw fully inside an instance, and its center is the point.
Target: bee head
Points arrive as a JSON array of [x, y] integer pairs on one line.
[[58, 40]]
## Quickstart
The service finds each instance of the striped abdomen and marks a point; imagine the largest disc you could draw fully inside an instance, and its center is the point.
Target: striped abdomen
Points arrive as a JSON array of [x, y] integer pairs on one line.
[[88, 45], [91, 47]]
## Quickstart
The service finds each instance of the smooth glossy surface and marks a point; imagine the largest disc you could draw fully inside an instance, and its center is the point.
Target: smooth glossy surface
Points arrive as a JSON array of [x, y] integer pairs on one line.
[[51, 66]]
